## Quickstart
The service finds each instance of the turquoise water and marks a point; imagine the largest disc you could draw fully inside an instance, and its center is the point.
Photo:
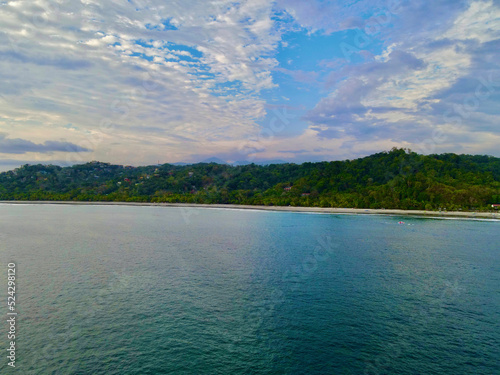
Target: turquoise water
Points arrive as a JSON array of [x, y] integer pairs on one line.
[[154, 290]]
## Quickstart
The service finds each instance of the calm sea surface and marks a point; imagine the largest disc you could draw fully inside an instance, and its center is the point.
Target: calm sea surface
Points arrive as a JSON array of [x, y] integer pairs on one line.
[[155, 290]]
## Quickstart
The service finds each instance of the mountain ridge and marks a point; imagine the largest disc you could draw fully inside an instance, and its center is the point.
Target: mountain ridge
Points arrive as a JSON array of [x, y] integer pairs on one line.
[[399, 179]]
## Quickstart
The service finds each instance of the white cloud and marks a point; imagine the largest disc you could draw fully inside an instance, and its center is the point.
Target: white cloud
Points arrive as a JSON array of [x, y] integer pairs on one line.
[[87, 63], [481, 21], [379, 100], [145, 80]]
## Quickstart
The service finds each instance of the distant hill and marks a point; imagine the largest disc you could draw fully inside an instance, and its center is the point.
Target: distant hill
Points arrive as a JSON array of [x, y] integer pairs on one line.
[[214, 160], [395, 179], [260, 162]]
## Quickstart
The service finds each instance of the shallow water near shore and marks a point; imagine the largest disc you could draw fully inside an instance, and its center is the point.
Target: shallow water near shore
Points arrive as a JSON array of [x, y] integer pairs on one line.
[[491, 215], [179, 290]]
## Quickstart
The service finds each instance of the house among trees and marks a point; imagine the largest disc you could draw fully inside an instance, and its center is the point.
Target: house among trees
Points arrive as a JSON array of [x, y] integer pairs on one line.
[[495, 206], [288, 188]]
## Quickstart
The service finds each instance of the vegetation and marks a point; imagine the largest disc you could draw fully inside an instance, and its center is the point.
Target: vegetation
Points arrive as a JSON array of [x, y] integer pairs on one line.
[[395, 179]]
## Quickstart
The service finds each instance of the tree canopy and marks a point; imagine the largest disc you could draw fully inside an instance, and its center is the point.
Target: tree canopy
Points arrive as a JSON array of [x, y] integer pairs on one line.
[[395, 179]]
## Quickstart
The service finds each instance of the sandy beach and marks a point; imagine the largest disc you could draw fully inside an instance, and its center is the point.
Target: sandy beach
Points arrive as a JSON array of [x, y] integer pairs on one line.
[[332, 210]]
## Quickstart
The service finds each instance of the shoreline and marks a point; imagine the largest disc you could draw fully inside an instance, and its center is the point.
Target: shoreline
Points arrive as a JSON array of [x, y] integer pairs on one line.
[[326, 210]]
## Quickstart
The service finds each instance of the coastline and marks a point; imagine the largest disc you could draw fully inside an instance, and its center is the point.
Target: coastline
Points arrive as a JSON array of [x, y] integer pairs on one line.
[[326, 210]]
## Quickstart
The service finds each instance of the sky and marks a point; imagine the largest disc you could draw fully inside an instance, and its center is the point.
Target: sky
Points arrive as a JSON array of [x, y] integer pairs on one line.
[[141, 82]]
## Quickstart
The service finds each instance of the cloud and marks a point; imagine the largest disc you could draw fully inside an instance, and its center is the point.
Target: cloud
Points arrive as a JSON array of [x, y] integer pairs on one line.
[[300, 75], [328, 16], [143, 80], [194, 69], [22, 146], [345, 112], [425, 80], [59, 62]]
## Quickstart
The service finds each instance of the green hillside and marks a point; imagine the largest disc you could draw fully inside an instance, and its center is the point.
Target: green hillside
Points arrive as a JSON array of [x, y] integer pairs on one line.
[[395, 179]]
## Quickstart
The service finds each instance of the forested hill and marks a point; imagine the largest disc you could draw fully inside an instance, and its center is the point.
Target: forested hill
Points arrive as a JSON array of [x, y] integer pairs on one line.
[[395, 179]]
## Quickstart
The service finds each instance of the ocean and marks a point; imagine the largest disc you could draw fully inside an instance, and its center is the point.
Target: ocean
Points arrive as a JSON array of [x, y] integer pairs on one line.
[[172, 290]]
